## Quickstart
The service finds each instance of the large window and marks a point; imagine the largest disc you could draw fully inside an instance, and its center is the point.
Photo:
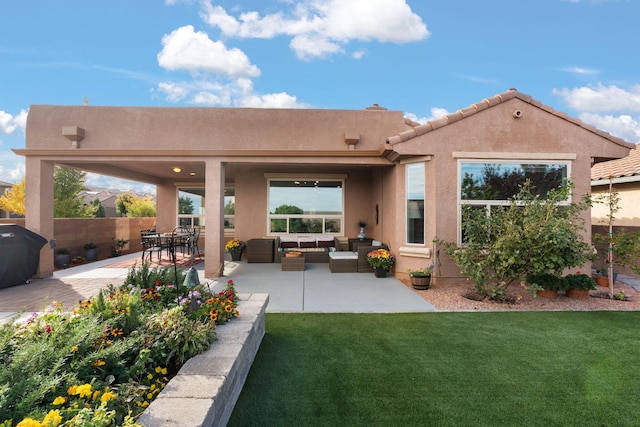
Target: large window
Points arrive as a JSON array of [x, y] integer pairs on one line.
[[305, 206], [415, 202], [229, 209], [191, 207], [488, 185]]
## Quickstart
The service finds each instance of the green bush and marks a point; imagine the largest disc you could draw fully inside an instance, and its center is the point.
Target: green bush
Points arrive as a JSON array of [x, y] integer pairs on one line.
[[549, 282], [531, 236], [582, 282]]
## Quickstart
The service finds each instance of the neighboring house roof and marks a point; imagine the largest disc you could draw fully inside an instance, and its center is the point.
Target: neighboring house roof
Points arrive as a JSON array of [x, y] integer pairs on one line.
[[626, 167], [488, 103]]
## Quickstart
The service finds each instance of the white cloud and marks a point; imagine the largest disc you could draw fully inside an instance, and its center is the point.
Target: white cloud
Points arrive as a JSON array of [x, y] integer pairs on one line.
[[580, 70], [9, 124], [601, 98], [594, 101], [622, 126], [322, 27], [236, 93], [436, 113], [186, 49]]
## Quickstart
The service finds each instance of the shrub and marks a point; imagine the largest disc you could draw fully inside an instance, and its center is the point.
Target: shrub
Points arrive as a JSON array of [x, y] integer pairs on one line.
[[531, 236], [582, 282], [547, 281]]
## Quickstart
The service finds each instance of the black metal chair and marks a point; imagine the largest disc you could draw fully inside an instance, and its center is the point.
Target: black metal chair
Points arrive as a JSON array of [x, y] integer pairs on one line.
[[151, 243], [193, 244]]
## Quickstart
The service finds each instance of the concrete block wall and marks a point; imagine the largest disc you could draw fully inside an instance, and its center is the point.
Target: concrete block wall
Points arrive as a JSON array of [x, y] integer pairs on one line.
[[207, 387]]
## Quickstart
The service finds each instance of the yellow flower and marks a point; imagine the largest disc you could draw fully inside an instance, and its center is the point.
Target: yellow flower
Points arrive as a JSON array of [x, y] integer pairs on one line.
[[163, 371], [72, 390], [29, 422], [83, 390], [74, 348], [149, 396], [99, 363], [150, 376], [228, 309], [107, 397], [52, 419], [95, 395], [59, 400]]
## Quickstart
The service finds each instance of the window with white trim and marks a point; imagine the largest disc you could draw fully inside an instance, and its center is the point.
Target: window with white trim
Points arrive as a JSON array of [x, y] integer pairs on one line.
[[415, 194], [305, 206], [490, 184]]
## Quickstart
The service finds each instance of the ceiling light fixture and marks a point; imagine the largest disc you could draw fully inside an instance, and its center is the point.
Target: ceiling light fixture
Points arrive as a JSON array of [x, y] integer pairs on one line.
[[177, 170]]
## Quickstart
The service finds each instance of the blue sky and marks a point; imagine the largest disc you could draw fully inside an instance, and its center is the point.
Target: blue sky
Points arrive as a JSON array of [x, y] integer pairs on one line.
[[423, 57]]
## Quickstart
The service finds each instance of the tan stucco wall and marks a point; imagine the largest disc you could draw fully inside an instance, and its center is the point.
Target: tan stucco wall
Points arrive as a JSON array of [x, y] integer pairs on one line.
[[533, 135], [628, 213]]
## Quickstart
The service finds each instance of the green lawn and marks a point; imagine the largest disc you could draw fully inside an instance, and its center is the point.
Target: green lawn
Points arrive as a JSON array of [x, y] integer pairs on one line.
[[442, 369]]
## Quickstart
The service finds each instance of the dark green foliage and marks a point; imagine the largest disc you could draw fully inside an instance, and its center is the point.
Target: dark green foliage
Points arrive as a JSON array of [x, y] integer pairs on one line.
[[547, 281], [530, 236], [444, 369], [582, 282]]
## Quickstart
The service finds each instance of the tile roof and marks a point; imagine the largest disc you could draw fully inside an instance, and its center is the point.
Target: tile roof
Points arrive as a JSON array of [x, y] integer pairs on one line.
[[626, 166], [488, 103]]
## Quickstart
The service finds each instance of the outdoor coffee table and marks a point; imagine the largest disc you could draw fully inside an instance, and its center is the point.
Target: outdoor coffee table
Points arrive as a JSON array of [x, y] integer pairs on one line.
[[292, 263], [343, 262]]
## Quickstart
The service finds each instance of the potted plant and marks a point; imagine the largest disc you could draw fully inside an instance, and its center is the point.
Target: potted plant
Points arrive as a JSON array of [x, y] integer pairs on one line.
[[63, 258], [234, 247], [421, 278], [117, 246], [91, 251], [578, 285], [546, 285], [381, 260], [361, 234]]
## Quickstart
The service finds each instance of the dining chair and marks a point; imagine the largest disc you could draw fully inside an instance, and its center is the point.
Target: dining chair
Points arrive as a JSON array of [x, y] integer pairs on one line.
[[151, 243]]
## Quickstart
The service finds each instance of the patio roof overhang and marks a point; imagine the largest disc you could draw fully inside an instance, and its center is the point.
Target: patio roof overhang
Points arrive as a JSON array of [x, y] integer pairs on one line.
[[188, 166]]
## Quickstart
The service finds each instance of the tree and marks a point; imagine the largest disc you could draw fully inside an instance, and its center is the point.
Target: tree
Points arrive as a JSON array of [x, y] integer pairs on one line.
[[13, 200], [185, 205], [99, 209], [122, 201], [141, 207], [533, 235], [67, 185]]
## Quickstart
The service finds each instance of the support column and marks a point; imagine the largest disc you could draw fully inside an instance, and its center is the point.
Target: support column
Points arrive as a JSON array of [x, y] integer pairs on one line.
[[39, 207], [214, 219]]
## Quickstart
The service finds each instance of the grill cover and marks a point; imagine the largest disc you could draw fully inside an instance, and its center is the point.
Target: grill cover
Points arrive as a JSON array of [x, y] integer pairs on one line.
[[19, 254]]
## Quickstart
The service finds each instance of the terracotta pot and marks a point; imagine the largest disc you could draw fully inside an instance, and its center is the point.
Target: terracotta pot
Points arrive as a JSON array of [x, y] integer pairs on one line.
[[546, 293], [602, 281], [421, 283], [577, 293]]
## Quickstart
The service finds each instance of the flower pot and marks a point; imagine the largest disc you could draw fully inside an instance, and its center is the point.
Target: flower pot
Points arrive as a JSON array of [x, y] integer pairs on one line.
[[236, 255], [602, 281], [546, 293], [577, 293], [91, 254], [420, 282], [63, 260], [380, 272]]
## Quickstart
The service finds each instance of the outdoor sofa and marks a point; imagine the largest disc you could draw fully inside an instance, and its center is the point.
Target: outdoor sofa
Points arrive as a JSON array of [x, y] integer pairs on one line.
[[314, 248]]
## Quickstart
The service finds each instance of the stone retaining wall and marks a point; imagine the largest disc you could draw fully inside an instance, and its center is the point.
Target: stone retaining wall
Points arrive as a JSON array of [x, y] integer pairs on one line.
[[207, 387]]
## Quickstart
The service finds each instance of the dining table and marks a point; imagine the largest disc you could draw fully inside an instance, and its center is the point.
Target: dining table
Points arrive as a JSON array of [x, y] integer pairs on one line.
[[169, 241]]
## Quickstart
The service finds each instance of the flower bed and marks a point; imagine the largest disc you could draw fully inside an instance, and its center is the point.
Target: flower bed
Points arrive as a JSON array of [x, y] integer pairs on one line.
[[105, 361]]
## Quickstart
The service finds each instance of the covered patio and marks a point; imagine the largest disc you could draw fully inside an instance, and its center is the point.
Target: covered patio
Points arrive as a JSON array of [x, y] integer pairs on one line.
[[315, 290]]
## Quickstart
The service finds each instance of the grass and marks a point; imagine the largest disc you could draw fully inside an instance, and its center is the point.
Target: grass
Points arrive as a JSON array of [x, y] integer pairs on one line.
[[463, 369]]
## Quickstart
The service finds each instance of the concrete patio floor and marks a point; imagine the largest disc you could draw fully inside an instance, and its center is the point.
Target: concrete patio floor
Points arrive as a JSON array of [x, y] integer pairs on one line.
[[314, 290]]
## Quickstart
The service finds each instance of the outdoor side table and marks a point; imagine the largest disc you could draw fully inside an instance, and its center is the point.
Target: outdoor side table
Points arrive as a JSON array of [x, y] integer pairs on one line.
[[292, 263], [260, 250], [343, 262]]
